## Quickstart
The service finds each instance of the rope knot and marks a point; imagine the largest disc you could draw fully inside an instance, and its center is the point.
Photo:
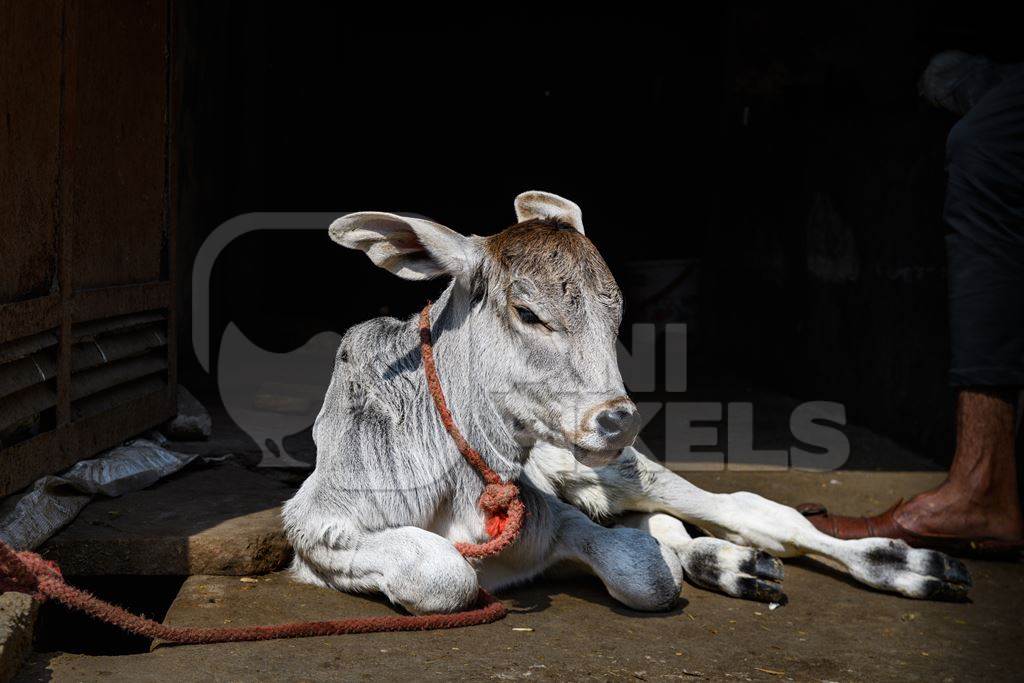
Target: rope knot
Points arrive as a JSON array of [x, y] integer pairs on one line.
[[22, 572], [497, 497]]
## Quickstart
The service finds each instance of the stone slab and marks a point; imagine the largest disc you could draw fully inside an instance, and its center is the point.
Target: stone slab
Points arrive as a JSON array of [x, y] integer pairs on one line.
[[569, 629], [17, 621], [223, 519], [847, 492]]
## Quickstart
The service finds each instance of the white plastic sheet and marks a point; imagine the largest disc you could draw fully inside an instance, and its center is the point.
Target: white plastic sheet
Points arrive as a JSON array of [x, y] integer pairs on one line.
[[54, 501]]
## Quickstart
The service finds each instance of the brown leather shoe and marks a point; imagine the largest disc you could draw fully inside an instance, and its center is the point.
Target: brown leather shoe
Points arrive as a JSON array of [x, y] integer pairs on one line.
[[886, 526]]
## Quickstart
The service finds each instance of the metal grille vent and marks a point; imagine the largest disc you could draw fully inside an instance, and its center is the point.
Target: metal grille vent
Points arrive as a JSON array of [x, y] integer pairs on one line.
[[28, 392], [116, 360]]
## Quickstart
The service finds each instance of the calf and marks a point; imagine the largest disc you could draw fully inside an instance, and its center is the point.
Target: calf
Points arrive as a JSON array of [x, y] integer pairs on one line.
[[524, 339]]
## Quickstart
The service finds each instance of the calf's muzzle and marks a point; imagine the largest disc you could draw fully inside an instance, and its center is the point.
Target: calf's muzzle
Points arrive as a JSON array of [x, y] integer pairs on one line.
[[614, 424]]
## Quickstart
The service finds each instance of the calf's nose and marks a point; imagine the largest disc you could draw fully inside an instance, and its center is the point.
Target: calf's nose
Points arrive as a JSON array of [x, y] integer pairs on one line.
[[618, 425]]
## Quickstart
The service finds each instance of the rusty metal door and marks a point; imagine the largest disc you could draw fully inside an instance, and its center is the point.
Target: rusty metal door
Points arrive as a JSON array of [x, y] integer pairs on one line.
[[87, 353]]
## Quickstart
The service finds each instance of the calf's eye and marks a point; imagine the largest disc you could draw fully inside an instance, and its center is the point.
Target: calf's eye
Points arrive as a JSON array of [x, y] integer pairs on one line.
[[528, 316]]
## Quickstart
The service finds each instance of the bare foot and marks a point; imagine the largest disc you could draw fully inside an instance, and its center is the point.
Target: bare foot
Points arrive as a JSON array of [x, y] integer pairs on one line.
[[948, 510], [979, 498]]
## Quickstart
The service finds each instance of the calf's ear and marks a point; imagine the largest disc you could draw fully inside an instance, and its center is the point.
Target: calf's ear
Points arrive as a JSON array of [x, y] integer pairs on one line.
[[411, 248], [537, 204]]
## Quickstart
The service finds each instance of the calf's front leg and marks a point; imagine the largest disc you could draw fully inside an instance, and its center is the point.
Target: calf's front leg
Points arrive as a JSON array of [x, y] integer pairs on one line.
[[633, 482], [414, 568]]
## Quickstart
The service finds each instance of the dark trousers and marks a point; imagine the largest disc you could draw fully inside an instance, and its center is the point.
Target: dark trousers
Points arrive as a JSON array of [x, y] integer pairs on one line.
[[984, 211]]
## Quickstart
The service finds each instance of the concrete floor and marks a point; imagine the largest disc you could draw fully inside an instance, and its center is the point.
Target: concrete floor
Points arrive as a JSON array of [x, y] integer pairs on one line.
[[832, 629]]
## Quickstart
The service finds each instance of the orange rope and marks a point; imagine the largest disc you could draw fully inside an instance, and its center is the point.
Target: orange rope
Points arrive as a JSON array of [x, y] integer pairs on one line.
[[500, 500], [28, 572]]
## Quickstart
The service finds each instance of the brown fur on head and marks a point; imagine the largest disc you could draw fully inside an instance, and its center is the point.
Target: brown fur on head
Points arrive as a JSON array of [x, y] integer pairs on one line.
[[561, 263]]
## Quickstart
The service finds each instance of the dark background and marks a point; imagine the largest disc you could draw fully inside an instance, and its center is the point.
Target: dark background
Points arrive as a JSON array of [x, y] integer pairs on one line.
[[785, 147]]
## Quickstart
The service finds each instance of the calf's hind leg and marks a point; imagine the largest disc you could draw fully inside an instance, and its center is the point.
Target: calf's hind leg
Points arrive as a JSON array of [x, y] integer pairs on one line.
[[414, 568], [714, 563], [634, 568]]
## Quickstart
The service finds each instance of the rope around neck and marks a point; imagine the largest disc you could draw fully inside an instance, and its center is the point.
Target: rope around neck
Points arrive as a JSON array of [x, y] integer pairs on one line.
[[503, 509], [28, 572]]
